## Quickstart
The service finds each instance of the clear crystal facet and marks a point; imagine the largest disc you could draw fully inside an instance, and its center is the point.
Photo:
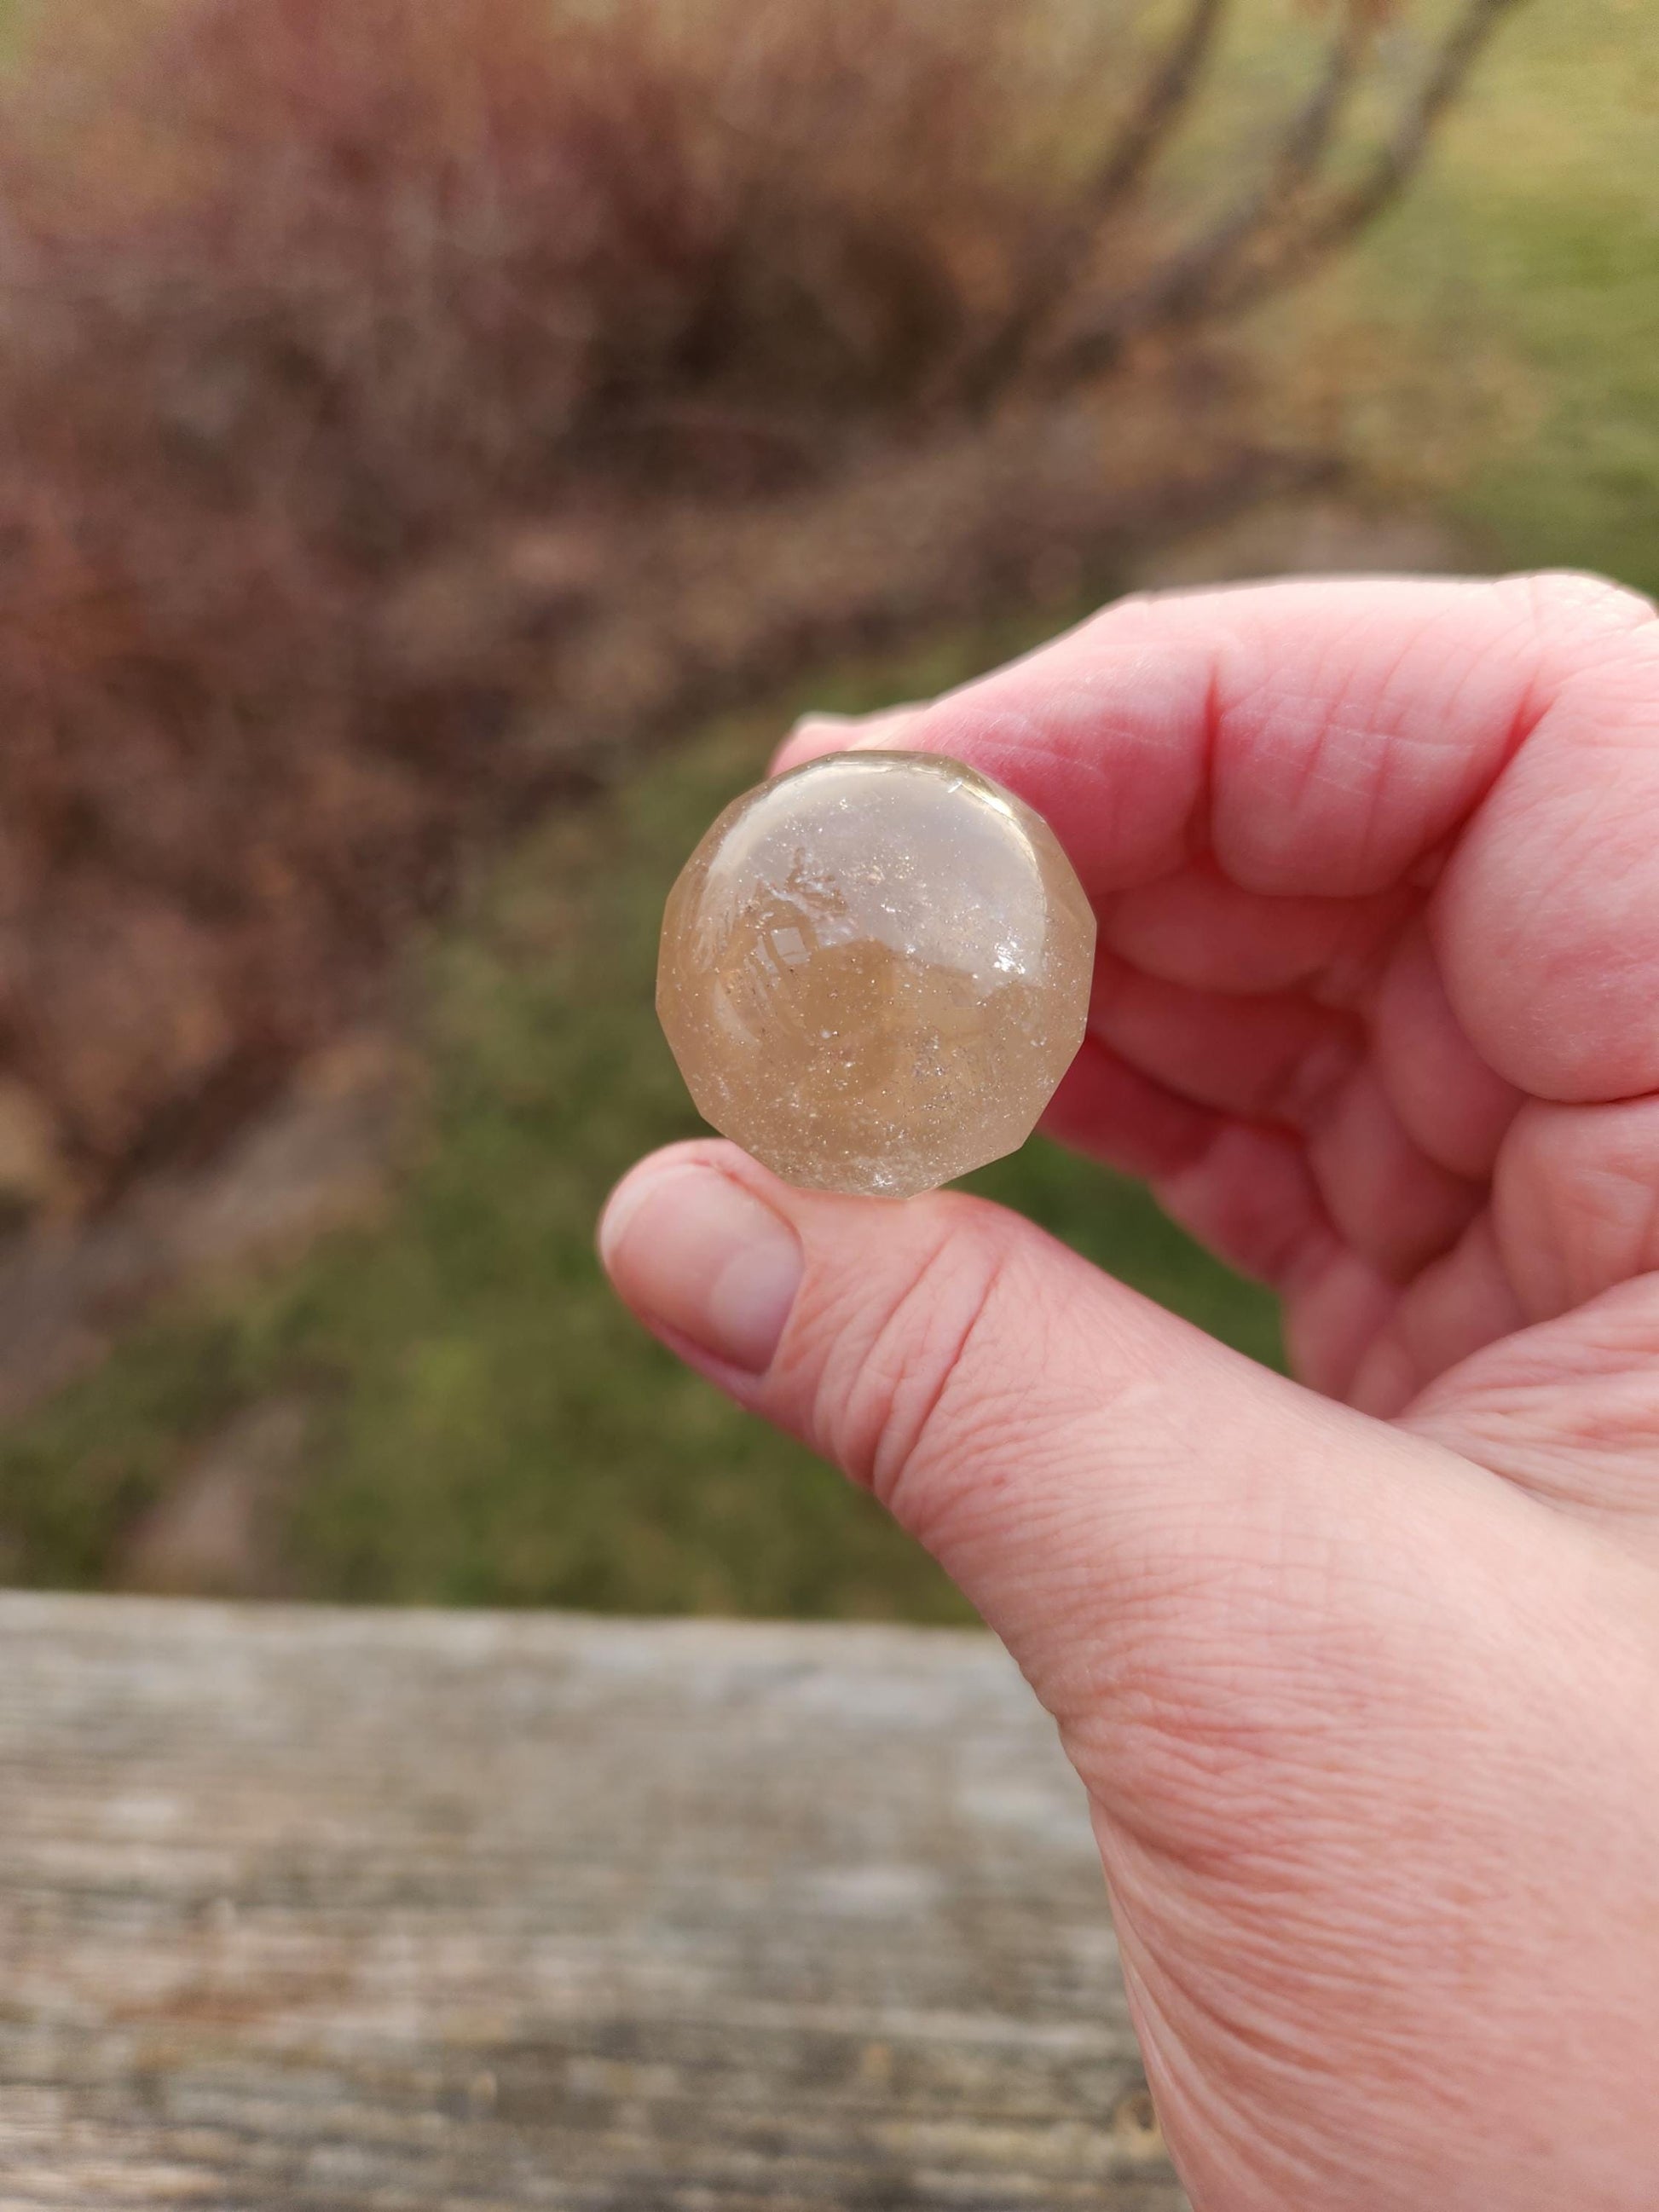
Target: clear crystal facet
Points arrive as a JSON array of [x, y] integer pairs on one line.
[[875, 971]]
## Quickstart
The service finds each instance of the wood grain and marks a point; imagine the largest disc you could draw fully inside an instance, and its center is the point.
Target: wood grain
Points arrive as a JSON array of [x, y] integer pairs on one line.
[[319, 1909]]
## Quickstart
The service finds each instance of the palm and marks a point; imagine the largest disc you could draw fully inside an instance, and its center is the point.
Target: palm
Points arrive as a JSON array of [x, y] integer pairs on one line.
[[1291, 1077]]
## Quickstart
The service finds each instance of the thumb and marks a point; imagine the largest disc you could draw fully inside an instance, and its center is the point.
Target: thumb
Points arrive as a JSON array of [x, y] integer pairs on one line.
[[1338, 1696], [1122, 1498]]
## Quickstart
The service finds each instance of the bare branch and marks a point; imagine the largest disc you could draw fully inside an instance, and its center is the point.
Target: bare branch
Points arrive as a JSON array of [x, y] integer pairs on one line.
[[1050, 282], [1244, 260], [1348, 212], [1160, 107], [1183, 292]]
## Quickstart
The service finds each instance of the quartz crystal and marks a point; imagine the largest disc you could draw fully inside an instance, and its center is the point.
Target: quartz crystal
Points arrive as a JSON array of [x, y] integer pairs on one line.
[[875, 971]]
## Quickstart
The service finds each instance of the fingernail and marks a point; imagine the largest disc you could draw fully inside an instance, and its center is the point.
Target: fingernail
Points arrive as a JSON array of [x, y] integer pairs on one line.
[[824, 718], [812, 737], [689, 1248]]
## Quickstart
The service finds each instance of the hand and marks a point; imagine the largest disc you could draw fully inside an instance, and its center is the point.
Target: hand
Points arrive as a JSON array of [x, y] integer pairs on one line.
[[1365, 1695]]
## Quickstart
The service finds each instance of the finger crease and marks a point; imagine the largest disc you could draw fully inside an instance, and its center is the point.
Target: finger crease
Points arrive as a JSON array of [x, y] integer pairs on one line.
[[900, 1439]]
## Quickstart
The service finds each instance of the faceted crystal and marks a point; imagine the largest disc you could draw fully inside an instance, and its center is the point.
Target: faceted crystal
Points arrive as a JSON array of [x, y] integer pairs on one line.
[[875, 971]]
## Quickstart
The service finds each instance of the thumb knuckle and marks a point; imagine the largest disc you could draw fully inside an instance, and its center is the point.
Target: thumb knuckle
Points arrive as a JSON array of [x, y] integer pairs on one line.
[[911, 1361]]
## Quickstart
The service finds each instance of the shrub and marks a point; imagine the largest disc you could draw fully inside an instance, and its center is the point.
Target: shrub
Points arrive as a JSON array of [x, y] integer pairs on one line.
[[296, 296]]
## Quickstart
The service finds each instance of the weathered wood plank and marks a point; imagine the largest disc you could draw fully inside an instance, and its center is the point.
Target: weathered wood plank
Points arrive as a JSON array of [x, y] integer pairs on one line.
[[317, 1909]]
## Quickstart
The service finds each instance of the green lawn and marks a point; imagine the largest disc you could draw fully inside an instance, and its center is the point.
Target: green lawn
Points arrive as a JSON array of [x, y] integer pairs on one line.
[[487, 1426]]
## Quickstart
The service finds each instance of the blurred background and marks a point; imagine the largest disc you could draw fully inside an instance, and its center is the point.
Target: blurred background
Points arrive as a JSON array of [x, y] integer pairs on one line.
[[443, 443]]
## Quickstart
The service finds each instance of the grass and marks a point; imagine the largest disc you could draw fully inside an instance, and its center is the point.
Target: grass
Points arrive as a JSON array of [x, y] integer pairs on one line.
[[1569, 279], [489, 1427]]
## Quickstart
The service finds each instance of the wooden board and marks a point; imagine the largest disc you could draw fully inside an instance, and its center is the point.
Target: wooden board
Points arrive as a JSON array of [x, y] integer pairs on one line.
[[318, 1909]]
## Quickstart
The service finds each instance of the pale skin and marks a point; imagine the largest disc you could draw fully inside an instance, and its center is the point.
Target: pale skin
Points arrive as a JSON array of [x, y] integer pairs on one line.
[[1360, 1671]]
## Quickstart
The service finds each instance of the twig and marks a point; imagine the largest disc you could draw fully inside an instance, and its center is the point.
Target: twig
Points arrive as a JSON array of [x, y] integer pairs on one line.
[[1049, 286], [1160, 107], [1243, 260], [1348, 212], [1183, 291]]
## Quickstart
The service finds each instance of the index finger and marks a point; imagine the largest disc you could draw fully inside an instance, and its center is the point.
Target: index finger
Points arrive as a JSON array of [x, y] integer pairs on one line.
[[1318, 738], [1331, 740]]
